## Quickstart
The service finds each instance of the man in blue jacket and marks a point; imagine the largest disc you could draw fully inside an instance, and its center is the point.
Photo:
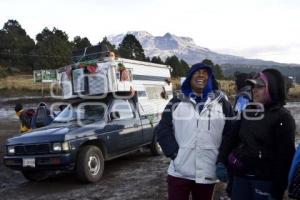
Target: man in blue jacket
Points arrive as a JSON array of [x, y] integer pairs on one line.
[[190, 133], [243, 96]]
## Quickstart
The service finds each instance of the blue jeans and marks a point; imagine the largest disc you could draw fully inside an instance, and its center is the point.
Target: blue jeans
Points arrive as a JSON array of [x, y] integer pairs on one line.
[[249, 188]]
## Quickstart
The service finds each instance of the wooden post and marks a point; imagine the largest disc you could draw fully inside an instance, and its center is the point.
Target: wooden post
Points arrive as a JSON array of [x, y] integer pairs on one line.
[[42, 89]]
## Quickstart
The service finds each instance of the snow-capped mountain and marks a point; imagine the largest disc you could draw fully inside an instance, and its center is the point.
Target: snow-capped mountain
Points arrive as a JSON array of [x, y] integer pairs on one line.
[[184, 48]]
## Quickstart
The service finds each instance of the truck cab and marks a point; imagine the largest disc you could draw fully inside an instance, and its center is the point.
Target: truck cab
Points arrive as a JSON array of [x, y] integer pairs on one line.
[[82, 137]]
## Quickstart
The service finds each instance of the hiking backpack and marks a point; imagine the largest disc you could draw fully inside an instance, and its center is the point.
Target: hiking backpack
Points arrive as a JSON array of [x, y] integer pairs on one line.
[[42, 117]]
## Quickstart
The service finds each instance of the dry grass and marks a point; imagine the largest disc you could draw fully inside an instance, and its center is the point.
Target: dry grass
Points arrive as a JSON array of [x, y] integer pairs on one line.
[[19, 85], [294, 93], [19, 82], [228, 86]]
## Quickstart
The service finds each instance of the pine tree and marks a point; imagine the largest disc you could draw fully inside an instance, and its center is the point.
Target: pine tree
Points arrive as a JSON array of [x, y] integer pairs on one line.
[[105, 43], [53, 49], [179, 68], [131, 48], [216, 69], [80, 43], [147, 59], [175, 65], [110, 46], [185, 67], [157, 60], [15, 46]]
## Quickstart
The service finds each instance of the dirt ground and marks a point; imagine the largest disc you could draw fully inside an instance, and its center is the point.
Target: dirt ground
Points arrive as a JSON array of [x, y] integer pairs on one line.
[[137, 176]]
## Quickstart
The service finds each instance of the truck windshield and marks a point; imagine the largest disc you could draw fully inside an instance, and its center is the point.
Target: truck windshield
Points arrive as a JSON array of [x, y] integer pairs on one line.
[[81, 112]]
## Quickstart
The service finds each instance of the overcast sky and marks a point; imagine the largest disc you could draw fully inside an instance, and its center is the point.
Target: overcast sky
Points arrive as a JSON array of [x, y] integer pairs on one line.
[[265, 29]]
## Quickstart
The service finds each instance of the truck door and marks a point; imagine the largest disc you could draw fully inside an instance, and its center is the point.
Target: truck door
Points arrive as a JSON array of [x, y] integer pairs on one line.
[[129, 133]]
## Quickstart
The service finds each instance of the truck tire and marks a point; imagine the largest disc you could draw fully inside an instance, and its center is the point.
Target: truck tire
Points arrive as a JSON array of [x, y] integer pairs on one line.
[[35, 176], [155, 148], [90, 164]]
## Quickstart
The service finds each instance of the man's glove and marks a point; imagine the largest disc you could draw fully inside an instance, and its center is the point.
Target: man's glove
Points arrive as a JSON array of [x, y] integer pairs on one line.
[[221, 172], [270, 198], [173, 156]]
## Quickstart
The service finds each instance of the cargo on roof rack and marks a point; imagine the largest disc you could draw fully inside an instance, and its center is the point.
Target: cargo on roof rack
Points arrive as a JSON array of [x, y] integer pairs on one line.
[[90, 53], [92, 78]]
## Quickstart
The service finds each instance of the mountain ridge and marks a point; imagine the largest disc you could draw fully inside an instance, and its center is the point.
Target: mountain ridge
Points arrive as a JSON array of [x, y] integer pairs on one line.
[[185, 48]]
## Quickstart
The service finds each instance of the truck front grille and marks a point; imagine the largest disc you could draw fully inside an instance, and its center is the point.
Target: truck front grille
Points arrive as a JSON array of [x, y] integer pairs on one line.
[[32, 149]]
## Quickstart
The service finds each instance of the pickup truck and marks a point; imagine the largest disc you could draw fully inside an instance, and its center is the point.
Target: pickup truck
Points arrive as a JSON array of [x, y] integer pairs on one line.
[[84, 135]]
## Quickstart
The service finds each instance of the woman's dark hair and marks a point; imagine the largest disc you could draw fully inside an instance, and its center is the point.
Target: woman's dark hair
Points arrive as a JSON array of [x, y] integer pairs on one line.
[[18, 107]]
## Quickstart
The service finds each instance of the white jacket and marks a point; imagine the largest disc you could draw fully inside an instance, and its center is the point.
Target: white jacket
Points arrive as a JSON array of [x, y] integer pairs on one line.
[[199, 137]]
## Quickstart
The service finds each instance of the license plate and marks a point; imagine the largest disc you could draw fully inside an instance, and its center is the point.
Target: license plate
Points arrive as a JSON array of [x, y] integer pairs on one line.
[[28, 162]]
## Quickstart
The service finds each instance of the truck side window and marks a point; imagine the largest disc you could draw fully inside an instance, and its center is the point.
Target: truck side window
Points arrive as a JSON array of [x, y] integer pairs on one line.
[[123, 107], [95, 112]]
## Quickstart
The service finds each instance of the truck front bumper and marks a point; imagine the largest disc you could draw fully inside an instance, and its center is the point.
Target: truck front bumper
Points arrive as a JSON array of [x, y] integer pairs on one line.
[[64, 161]]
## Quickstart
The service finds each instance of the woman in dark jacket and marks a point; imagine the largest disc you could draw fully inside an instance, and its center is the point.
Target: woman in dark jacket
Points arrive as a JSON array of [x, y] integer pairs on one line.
[[260, 149]]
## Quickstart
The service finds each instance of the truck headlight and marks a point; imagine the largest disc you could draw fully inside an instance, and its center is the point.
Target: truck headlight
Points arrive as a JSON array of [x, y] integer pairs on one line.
[[11, 150], [65, 146], [56, 147], [60, 146]]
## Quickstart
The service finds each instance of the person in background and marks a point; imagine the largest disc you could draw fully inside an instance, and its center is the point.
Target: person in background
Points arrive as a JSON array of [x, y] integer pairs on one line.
[[190, 133], [243, 96], [25, 117], [61, 108], [124, 74], [260, 148], [111, 56]]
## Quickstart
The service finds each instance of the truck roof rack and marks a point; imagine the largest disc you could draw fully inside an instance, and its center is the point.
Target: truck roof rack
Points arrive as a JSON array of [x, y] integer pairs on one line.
[[90, 53]]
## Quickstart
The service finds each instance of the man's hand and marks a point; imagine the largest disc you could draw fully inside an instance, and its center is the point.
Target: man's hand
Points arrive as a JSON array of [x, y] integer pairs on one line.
[[270, 198], [173, 156]]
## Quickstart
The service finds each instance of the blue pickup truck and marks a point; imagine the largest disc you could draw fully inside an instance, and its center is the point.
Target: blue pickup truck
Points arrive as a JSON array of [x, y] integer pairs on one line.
[[84, 135]]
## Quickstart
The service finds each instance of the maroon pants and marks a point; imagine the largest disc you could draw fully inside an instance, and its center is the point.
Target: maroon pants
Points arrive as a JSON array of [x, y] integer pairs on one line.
[[180, 189]]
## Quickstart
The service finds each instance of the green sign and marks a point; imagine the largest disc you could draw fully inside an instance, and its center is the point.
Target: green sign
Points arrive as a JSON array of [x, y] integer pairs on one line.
[[44, 76]]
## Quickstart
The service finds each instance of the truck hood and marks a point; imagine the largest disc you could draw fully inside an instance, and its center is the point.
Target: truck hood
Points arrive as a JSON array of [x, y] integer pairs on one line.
[[55, 133]]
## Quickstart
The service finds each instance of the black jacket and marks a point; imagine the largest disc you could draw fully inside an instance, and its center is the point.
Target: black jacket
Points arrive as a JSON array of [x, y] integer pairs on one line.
[[265, 146]]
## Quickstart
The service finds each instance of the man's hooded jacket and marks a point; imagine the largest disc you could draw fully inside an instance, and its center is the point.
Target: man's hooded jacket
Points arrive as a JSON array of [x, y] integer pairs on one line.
[[191, 129]]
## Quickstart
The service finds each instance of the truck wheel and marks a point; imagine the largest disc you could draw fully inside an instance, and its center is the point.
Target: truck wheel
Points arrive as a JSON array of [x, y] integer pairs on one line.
[[90, 164], [155, 148], [35, 175]]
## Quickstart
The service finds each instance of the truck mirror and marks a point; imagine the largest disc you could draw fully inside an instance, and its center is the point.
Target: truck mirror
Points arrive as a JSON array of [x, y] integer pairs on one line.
[[114, 115]]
